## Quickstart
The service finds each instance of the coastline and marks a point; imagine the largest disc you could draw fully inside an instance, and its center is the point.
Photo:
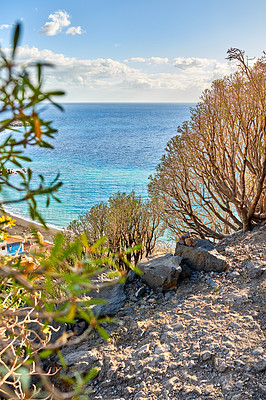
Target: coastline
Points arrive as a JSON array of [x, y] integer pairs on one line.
[[23, 227]]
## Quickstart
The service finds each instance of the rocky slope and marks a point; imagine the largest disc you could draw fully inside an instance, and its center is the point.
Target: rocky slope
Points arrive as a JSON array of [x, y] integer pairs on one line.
[[203, 340]]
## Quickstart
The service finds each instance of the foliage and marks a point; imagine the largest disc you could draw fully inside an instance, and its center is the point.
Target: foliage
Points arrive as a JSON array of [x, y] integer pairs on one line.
[[36, 293], [26, 328], [126, 221], [212, 178], [21, 92]]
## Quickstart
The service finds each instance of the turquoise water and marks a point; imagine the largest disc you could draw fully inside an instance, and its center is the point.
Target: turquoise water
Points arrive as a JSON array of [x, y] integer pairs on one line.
[[101, 149]]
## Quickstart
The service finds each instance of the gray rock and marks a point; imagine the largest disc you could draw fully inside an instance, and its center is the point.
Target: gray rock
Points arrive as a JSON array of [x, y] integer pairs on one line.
[[206, 355], [79, 356], [168, 296], [260, 365], [131, 276], [255, 269], [140, 292], [56, 328], [220, 365], [177, 327], [79, 360], [237, 298], [202, 257], [161, 273], [115, 298], [234, 325], [235, 274], [258, 351], [211, 283], [204, 244]]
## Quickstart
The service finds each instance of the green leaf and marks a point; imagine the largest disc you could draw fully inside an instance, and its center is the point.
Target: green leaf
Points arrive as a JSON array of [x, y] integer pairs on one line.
[[24, 378], [102, 332], [16, 38], [61, 359], [90, 375], [45, 353], [39, 68], [56, 93]]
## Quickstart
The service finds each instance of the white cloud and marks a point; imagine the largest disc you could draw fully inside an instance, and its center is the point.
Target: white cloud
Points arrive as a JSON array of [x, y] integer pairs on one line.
[[60, 21], [113, 80], [192, 63], [5, 26], [71, 69], [151, 60], [74, 30]]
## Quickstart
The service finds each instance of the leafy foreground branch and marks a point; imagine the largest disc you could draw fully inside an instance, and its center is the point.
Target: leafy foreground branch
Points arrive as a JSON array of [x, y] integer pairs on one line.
[[43, 291], [21, 93], [38, 295]]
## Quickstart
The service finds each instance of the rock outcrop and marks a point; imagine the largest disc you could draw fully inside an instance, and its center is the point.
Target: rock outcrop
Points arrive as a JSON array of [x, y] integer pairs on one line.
[[112, 293], [161, 273], [201, 256]]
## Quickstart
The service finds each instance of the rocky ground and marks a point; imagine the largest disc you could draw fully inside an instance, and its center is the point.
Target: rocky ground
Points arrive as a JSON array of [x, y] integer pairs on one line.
[[203, 340]]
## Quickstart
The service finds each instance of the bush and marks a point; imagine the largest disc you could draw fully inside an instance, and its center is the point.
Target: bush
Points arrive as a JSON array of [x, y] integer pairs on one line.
[[212, 177], [40, 290], [126, 221]]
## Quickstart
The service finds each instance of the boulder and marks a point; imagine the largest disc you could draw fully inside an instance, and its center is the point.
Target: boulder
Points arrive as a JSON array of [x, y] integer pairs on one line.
[[35, 328], [201, 257], [255, 269], [161, 273], [113, 294], [79, 359]]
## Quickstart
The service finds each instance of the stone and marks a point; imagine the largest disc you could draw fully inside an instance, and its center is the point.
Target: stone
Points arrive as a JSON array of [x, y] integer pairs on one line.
[[206, 355], [140, 292], [211, 283], [167, 296], [131, 276], [159, 350], [259, 365], [234, 325], [220, 365], [255, 269], [114, 295], [238, 298], [258, 351], [190, 242], [174, 383], [202, 257], [161, 273], [80, 361], [177, 327], [56, 328], [235, 274], [73, 358]]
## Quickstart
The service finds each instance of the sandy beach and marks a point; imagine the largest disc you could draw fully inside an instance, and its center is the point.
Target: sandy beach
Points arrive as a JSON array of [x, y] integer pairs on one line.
[[24, 227]]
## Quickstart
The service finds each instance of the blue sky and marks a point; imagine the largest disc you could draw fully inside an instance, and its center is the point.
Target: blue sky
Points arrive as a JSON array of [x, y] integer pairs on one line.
[[141, 50]]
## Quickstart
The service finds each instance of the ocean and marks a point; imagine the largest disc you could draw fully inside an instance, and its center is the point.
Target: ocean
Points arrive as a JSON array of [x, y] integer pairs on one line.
[[100, 149]]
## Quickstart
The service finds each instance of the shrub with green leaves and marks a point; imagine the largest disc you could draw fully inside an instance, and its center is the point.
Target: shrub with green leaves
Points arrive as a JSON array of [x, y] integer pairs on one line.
[[21, 92], [36, 292], [126, 221]]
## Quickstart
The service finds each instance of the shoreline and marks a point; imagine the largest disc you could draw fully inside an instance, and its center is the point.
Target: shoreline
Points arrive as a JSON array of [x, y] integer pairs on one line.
[[23, 227]]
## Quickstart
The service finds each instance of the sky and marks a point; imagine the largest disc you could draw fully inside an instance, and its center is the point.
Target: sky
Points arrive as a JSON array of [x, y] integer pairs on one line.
[[134, 51]]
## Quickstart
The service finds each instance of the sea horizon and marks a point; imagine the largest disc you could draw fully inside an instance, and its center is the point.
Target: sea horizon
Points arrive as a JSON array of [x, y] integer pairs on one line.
[[101, 148]]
